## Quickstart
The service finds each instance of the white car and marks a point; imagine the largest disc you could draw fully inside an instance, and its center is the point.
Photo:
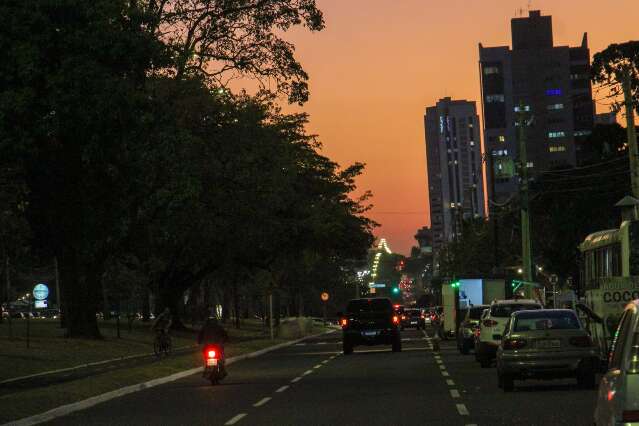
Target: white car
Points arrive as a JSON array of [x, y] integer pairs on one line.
[[618, 398], [493, 324]]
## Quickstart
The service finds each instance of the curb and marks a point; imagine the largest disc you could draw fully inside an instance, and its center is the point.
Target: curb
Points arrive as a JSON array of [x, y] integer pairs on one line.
[[98, 399]]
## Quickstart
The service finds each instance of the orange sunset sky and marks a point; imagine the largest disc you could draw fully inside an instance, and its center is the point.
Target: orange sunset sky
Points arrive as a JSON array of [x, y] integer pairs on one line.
[[379, 63]]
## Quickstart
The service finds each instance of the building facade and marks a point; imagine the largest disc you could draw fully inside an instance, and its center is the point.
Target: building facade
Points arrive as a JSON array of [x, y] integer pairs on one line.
[[553, 85], [455, 167]]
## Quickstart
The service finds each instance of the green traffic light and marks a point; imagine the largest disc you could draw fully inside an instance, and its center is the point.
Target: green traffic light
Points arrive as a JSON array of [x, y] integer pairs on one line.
[[395, 290]]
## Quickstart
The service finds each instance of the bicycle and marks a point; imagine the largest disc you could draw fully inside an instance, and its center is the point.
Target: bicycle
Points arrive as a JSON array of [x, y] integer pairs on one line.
[[162, 343]]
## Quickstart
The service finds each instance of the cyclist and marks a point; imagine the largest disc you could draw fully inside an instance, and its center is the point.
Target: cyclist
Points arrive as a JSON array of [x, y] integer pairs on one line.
[[212, 333], [161, 326]]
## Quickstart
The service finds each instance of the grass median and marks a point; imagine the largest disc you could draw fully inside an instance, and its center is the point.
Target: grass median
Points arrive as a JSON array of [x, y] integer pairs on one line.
[[70, 352]]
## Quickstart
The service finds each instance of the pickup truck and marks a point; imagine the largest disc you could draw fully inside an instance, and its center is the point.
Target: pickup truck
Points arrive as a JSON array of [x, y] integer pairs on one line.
[[370, 321]]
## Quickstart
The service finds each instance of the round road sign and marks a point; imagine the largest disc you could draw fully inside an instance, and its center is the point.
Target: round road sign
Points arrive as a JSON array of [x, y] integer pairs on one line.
[[40, 291]]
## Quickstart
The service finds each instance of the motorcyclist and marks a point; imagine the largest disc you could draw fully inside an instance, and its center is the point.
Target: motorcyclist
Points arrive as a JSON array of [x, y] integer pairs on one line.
[[212, 333]]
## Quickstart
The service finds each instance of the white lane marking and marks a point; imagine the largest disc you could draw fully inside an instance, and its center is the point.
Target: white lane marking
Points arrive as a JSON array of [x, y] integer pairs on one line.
[[295, 380], [445, 373], [262, 401], [282, 389], [442, 367], [438, 360], [472, 424], [454, 393], [236, 419], [463, 411], [317, 366], [387, 350], [307, 372], [325, 361], [300, 344], [449, 382]]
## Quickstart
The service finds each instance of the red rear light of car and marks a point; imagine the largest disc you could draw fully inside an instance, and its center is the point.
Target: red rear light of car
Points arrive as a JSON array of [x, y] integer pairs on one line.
[[581, 341], [489, 323], [512, 344], [395, 319], [343, 322], [630, 416]]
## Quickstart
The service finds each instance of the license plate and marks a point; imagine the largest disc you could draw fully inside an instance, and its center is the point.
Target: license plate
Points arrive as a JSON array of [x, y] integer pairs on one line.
[[548, 344], [211, 362], [413, 322], [369, 333]]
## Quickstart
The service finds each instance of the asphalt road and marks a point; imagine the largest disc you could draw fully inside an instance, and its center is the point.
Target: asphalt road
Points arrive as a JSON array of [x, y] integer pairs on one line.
[[313, 384]]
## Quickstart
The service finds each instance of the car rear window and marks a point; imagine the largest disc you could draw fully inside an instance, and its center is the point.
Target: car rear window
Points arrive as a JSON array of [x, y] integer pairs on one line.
[[413, 312], [504, 310], [369, 305], [546, 320]]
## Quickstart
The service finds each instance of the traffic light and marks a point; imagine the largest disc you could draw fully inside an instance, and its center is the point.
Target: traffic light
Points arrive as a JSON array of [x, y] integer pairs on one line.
[[454, 284], [395, 290]]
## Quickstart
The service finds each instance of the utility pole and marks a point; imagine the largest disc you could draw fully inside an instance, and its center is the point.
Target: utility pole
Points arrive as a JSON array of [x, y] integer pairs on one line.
[[633, 152], [526, 251]]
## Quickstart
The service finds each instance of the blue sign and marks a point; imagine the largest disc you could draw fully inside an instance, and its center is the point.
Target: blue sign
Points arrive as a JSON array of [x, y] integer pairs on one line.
[[40, 291], [376, 285]]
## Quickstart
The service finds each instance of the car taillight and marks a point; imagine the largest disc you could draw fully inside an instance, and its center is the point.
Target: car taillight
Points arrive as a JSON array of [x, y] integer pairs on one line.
[[514, 344], [581, 341], [211, 354], [490, 323], [630, 416], [395, 319], [343, 322]]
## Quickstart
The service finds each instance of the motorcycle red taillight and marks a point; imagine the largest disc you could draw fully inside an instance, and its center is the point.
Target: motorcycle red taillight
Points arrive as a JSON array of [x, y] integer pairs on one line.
[[395, 319], [343, 322], [211, 354]]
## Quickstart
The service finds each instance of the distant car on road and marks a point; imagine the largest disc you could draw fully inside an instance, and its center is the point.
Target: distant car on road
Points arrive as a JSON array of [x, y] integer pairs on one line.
[[370, 321], [470, 318], [546, 344], [412, 318], [492, 327], [618, 398]]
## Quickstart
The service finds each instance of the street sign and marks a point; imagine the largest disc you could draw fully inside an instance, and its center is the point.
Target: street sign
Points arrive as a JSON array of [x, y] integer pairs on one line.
[[554, 279], [40, 291], [41, 304], [325, 297], [376, 285]]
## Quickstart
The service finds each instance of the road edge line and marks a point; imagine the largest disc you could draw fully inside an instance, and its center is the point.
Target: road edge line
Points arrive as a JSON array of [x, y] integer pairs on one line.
[[67, 409]]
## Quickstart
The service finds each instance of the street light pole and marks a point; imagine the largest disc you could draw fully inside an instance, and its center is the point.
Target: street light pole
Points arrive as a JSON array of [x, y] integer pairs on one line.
[[526, 251]]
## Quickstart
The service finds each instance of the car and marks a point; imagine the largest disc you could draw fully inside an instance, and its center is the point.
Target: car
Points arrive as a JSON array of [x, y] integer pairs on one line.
[[469, 322], [492, 327], [426, 316], [546, 344], [618, 396], [370, 321], [411, 318]]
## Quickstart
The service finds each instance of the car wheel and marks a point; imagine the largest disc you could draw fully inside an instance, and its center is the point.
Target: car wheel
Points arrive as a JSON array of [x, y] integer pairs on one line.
[[586, 379], [397, 345], [347, 347], [507, 383]]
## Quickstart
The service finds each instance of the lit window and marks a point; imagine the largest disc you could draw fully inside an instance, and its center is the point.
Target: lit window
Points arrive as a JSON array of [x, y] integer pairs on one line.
[[553, 92], [559, 148], [582, 132], [525, 108], [494, 98], [530, 165], [555, 106], [559, 134], [491, 70], [502, 138]]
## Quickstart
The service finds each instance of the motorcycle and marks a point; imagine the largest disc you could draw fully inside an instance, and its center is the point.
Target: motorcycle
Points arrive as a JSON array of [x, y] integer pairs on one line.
[[214, 370]]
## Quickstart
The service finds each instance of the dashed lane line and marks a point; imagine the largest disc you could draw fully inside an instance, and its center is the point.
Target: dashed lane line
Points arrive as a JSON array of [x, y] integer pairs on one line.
[[317, 366], [442, 367], [262, 401], [282, 389], [325, 361], [307, 372], [235, 419], [297, 379], [462, 410], [445, 373], [449, 382], [454, 393]]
